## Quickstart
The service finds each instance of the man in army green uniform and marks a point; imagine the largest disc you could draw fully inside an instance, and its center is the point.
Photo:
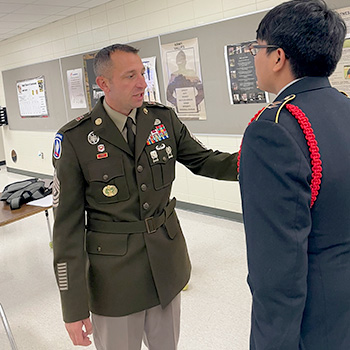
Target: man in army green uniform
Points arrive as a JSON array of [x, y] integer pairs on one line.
[[119, 251]]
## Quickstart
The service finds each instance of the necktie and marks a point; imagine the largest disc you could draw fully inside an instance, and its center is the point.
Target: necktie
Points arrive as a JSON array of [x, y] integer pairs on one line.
[[130, 134]]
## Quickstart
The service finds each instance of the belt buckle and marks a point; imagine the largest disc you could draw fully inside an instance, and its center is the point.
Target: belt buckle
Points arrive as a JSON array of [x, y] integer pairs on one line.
[[150, 225]]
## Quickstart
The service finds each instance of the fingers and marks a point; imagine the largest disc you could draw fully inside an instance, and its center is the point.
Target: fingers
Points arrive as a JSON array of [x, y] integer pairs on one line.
[[77, 334], [88, 325]]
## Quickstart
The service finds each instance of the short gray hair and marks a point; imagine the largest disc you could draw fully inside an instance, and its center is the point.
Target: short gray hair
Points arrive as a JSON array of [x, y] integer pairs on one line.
[[103, 57]]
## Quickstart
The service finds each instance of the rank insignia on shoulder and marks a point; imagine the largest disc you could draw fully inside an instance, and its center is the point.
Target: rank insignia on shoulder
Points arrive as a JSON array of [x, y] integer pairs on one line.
[[274, 104], [58, 146], [158, 134], [154, 103], [78, 119], [344, 93]]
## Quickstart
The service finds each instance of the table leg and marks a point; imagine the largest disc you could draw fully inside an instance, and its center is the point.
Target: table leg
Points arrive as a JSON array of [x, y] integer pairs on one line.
[[49, 227], [7, 328]]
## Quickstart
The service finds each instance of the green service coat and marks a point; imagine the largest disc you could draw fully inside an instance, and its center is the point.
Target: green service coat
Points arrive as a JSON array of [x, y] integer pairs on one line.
[[98, 178]]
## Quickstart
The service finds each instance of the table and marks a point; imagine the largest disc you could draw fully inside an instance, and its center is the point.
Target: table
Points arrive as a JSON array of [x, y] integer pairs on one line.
[[7, 216]]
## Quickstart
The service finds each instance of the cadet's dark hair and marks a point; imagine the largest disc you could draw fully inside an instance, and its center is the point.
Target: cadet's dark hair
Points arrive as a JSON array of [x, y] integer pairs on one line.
[[311, 35], [103, 57]]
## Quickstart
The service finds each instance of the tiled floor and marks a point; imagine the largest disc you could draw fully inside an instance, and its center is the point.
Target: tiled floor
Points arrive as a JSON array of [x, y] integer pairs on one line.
[[215, 308]]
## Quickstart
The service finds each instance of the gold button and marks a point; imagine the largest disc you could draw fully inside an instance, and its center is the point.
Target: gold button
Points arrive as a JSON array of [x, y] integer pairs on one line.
[[105, 177], [98, 121], [99, 248]]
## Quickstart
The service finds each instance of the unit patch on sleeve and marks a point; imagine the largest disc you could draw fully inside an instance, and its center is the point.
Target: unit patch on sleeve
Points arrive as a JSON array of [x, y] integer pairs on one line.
[[58, 146], [158, 134]]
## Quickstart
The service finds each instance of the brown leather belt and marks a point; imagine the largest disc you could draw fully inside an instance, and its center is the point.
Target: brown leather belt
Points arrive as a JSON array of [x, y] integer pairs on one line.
[[149, 225]]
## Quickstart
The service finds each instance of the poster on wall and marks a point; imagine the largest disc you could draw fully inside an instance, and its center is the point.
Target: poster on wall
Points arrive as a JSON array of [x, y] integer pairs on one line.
[[345, 14], [152, 89], [32, 98], [340, 79], [94, 92], [182, 79], [76, 88], [241, 76]]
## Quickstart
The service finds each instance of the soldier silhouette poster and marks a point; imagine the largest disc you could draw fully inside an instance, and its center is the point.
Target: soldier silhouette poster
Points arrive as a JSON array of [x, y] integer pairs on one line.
[[182, 79]]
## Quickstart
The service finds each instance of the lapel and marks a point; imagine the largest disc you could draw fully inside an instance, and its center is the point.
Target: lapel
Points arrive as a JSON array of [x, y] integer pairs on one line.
[[145, 123], [104, 127]]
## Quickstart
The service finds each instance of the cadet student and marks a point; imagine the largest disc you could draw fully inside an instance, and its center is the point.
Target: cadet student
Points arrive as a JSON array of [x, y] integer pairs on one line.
[[128, 265], [295, 190]]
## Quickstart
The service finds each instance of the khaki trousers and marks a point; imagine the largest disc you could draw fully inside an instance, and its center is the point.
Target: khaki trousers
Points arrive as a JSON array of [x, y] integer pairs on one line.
[[158, 328]]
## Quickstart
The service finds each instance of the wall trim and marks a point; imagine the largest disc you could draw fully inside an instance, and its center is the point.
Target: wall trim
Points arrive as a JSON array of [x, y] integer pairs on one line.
[[221, 213], [28, 173]]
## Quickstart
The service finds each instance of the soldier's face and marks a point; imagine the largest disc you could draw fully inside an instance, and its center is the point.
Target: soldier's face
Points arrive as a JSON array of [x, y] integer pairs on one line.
[[124, 88]]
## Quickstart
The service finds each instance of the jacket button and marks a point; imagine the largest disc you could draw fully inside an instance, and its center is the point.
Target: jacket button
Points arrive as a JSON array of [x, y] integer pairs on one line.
[[99, 248], [143, 187], [140, 168], [145, 206], [105, 177]]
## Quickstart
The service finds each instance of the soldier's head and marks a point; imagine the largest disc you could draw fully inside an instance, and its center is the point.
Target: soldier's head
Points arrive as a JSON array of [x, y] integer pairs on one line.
[[305, 33], [102, 60], [119, 73]]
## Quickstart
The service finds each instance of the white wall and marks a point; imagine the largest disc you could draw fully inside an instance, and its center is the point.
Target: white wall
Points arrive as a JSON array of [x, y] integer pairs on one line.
[[121, 21]]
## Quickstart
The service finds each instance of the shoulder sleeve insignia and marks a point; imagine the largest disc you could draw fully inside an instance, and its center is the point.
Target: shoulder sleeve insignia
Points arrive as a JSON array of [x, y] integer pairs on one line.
[[57, 150]]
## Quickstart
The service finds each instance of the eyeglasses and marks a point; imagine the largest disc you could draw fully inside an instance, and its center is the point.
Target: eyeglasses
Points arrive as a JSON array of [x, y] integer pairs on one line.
[[254, 48]]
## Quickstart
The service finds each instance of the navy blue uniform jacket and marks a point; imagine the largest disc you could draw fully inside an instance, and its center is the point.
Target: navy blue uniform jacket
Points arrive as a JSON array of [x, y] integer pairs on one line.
[[298, 258]]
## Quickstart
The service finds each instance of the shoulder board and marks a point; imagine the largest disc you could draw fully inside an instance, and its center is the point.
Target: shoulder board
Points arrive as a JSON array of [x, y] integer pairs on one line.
[[156, 104], [276, 106], [75, 122], [344, 93]]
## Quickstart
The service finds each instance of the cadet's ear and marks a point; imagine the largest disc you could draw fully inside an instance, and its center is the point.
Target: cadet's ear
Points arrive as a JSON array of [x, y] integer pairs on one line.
[[280, 60], [103, 83]]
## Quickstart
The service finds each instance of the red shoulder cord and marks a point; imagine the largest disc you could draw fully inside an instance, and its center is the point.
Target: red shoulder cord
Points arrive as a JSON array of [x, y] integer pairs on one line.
[[316, 163]]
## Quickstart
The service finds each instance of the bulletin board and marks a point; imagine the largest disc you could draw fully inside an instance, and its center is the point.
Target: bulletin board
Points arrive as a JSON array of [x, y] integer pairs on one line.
[[56, 104]]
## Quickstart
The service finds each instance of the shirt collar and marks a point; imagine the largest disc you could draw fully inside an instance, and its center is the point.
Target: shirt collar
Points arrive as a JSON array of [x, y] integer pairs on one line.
[[119, 119], [289, 84]]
